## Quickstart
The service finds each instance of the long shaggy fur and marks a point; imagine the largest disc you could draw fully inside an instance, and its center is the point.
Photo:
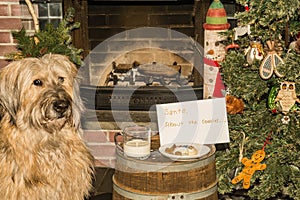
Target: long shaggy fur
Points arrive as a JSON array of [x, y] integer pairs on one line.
[[42, 155]]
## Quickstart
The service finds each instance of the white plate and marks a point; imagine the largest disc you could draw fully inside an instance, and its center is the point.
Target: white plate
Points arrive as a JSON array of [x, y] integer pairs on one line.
[[183, 147]]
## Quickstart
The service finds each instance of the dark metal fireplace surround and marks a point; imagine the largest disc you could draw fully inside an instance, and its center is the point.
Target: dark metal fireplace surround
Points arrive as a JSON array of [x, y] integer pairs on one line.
[[151, 85]]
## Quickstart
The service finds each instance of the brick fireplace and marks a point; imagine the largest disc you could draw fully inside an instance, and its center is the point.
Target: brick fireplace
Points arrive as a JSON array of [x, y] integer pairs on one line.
[[128, 32], [164, 55]]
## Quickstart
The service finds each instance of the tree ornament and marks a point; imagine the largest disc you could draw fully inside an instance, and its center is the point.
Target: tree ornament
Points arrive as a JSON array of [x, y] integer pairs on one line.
[[232, 46], [268, 65], [234, 105], [254, 51], [241, 30], [251, 165], [287, 97], [285, 119], [246, 7], [295, 45]]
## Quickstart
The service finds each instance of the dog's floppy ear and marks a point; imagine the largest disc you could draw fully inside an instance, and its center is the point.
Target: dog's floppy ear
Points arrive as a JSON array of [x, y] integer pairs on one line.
[[9, 91]]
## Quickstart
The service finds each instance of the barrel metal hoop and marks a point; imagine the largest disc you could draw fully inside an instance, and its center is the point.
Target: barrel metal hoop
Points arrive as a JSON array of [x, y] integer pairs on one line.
[[177, 196]]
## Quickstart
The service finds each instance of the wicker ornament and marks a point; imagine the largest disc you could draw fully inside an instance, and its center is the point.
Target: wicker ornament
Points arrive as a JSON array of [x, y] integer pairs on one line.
[[287, 96], [251, 165], [268, 65]]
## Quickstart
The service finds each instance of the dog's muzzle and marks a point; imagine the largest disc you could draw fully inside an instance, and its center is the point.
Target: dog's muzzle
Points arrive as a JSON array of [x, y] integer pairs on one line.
[[56, 104], [60, 107]]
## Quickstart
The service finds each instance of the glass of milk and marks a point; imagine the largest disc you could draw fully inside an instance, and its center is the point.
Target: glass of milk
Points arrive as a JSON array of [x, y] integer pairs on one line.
[[137, 141]]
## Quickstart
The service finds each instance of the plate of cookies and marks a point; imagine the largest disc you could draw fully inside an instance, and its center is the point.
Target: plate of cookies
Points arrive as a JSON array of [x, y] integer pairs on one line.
[[184, 151]]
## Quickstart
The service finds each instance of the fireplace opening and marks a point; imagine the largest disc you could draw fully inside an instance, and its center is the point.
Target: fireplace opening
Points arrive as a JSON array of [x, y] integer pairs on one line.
[[137, 69], [148, 67]]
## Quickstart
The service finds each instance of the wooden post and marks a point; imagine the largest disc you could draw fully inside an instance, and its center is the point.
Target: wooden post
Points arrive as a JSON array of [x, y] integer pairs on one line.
[[80, 36], [200, 9]]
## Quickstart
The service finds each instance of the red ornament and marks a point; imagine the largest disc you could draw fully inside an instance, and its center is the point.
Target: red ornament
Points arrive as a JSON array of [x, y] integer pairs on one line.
[[274, 111], [232, 46], [246, 7]]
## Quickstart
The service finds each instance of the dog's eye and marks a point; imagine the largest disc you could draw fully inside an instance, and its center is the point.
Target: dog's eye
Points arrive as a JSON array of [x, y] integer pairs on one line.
[[61, 79], [37, 82]]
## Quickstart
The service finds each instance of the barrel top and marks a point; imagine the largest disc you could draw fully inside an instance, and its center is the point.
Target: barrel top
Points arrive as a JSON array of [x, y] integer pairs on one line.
[[157, 157], [157, 161]]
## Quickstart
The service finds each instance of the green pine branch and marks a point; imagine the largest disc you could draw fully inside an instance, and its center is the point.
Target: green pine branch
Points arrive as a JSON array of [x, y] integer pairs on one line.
[[51, 40], [269, 20]]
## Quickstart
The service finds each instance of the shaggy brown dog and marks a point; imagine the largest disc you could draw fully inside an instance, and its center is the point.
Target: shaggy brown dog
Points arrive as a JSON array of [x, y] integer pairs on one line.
[[42, 155]]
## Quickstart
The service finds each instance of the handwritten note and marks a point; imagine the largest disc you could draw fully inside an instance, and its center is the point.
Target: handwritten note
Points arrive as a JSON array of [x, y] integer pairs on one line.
[[201, 121]]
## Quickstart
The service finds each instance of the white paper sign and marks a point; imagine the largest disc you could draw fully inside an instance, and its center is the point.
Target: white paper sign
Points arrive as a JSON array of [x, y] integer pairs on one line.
[[201, 121]]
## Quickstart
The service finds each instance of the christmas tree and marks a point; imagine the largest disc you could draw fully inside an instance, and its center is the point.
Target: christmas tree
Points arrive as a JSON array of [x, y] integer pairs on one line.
[[263, 72]]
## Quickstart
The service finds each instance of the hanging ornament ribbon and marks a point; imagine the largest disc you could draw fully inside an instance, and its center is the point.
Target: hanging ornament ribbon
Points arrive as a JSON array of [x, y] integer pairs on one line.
[[270, 62], [268, 141]]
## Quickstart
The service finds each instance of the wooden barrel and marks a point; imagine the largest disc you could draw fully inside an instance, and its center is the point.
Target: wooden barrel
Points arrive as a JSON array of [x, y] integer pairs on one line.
[[159, 178]]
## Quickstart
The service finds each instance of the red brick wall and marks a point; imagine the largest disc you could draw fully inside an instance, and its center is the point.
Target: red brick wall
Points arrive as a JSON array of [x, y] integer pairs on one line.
[[101, 144], [10, 20], [108, 19]]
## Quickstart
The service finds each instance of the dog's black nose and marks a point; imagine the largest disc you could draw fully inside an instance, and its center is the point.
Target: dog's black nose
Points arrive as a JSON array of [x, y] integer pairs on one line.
[[60, 106]]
